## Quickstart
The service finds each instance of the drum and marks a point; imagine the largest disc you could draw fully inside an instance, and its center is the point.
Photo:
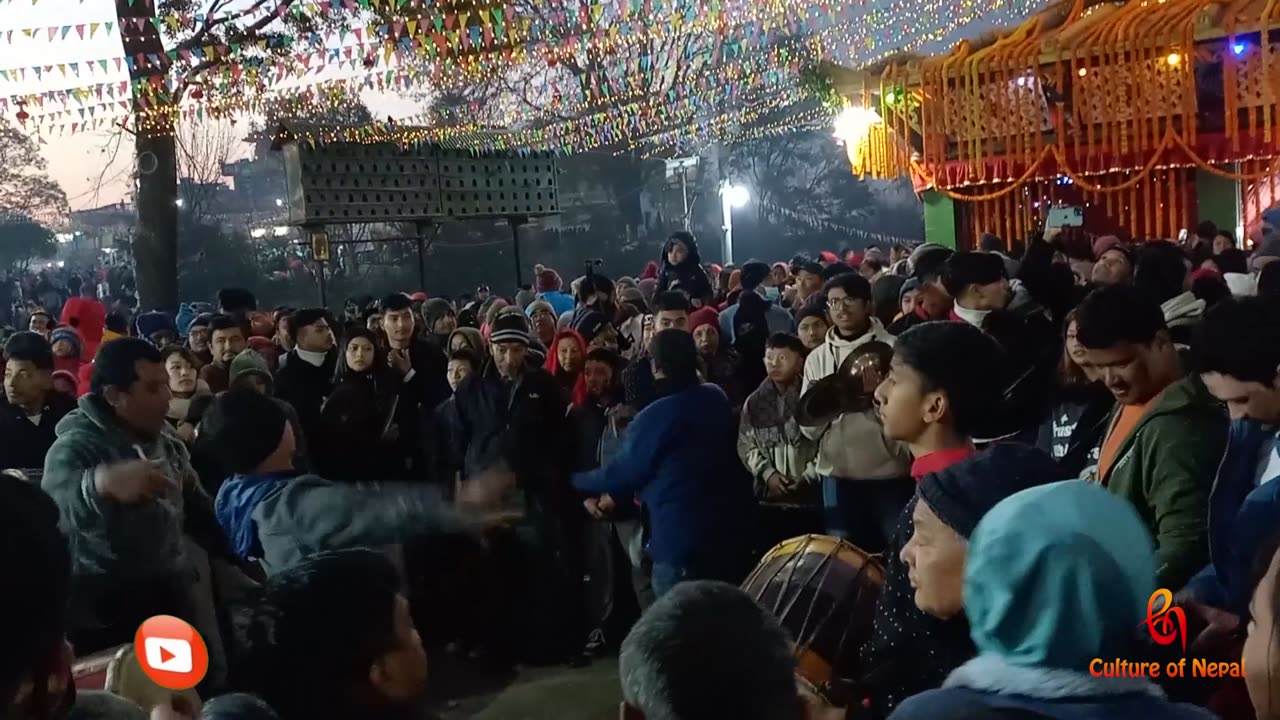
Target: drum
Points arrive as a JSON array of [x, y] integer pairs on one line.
[[823, 590]]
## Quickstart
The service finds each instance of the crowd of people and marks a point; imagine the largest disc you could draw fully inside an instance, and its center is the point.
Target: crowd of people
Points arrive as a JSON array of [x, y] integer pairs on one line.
[[1030, 441]]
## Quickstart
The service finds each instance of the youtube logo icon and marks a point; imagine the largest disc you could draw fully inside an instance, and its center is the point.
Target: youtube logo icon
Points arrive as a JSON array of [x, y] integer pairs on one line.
[[171, 652]]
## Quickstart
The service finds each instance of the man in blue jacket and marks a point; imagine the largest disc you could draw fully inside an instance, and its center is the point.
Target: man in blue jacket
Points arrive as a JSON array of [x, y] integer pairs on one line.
[[679, 456], [1238, 355]]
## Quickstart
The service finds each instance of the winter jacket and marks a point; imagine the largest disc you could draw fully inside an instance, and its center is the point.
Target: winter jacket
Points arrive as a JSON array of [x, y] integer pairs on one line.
[[1165, 470], [1241, 516], [988, 687], [852, 446], [520, 426], [780, 448], [778, 320], [305, 387], [561, 302], [24, 444], [293, 518], [678, 456], [114, 545], [109, 538], [421, 392], [688, 277]]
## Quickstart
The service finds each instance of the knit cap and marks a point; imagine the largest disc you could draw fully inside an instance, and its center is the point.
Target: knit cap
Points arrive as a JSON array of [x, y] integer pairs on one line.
[[150, 323], [249, 364], [704, 316], [548, 281], [68, 334], [589, 324], [962, 493], [201, 320], [509, 327], [433, 310], [243, 428]]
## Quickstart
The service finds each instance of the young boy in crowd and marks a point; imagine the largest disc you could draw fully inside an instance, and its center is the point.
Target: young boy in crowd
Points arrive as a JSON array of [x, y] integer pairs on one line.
[[812, 326], [462, 365], [273, 513], [939, 388], [66, 349], [770, 444]]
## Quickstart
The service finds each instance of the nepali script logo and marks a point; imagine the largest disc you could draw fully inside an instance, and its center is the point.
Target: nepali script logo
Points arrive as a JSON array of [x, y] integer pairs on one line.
[[1167, 623]]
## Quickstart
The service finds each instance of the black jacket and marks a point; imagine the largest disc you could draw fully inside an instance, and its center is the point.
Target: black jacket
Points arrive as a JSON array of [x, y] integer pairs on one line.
[[493, 423], [305, 387], [424, 391], [23, 444]]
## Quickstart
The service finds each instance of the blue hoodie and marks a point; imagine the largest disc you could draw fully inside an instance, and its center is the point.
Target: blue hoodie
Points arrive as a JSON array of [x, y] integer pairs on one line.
[[1056, 576]]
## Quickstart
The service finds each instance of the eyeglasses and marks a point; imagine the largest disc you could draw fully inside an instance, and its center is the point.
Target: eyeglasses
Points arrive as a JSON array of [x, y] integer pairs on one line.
[[844, 302]]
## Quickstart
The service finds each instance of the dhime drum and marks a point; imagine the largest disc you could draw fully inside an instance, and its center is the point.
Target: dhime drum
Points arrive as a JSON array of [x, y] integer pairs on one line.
[[823, 590]]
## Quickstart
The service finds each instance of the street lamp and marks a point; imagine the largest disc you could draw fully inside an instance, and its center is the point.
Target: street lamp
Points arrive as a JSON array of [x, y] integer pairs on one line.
[[731, 196]]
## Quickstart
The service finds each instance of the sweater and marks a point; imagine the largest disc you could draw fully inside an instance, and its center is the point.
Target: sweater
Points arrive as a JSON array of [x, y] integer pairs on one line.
[[853, 446], [1165, 470], [679, 457]]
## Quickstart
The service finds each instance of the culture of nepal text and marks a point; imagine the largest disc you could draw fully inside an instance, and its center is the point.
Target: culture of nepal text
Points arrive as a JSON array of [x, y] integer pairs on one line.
[[1200, 668]]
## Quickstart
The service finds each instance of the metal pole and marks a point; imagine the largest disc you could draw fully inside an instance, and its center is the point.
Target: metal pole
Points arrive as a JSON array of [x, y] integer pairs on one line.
[[726, 210], [324, 295], [684, 195], [515, 243]]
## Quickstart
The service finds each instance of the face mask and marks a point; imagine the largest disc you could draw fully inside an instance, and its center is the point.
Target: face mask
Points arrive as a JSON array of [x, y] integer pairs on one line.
[[772, 294]]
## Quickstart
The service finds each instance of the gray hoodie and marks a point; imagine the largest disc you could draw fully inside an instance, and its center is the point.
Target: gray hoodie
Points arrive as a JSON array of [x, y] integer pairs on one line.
[[111, 541]]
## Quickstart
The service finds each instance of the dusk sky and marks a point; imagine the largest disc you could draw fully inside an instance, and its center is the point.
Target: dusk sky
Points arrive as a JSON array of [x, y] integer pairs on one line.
[[83, 162]]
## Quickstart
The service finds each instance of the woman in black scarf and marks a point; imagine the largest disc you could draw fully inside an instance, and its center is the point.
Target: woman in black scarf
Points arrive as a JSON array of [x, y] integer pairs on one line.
[[682, 269], [355, 420]]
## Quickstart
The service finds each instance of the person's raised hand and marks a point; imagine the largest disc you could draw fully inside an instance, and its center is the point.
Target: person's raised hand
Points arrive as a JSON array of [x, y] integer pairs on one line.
[[593, 508], [399, 360], [606, 504], [131, 481]]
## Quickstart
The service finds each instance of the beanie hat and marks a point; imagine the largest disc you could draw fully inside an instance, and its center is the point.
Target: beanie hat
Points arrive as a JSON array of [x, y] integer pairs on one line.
[[244, 428], [433, 310], [704, 316], [675, 354], [910, 285], [249, 364], [418, 296], [201, 320], [65, 333], [827, 257], [971, 268], [754, 273], [548, 281], [150, 323], [68, 376], [588, 324], [509, 327], [928, 259], [539, 305], [962, 493], [1103, 244], [812, 310]]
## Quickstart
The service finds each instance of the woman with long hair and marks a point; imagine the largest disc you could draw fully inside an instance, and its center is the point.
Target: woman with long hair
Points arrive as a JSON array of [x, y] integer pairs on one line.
[[565, 360], [682, 268], [355, 420]]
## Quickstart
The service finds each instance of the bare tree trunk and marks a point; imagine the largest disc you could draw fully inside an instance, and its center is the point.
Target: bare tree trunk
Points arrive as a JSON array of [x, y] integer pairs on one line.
[[155, 249]]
